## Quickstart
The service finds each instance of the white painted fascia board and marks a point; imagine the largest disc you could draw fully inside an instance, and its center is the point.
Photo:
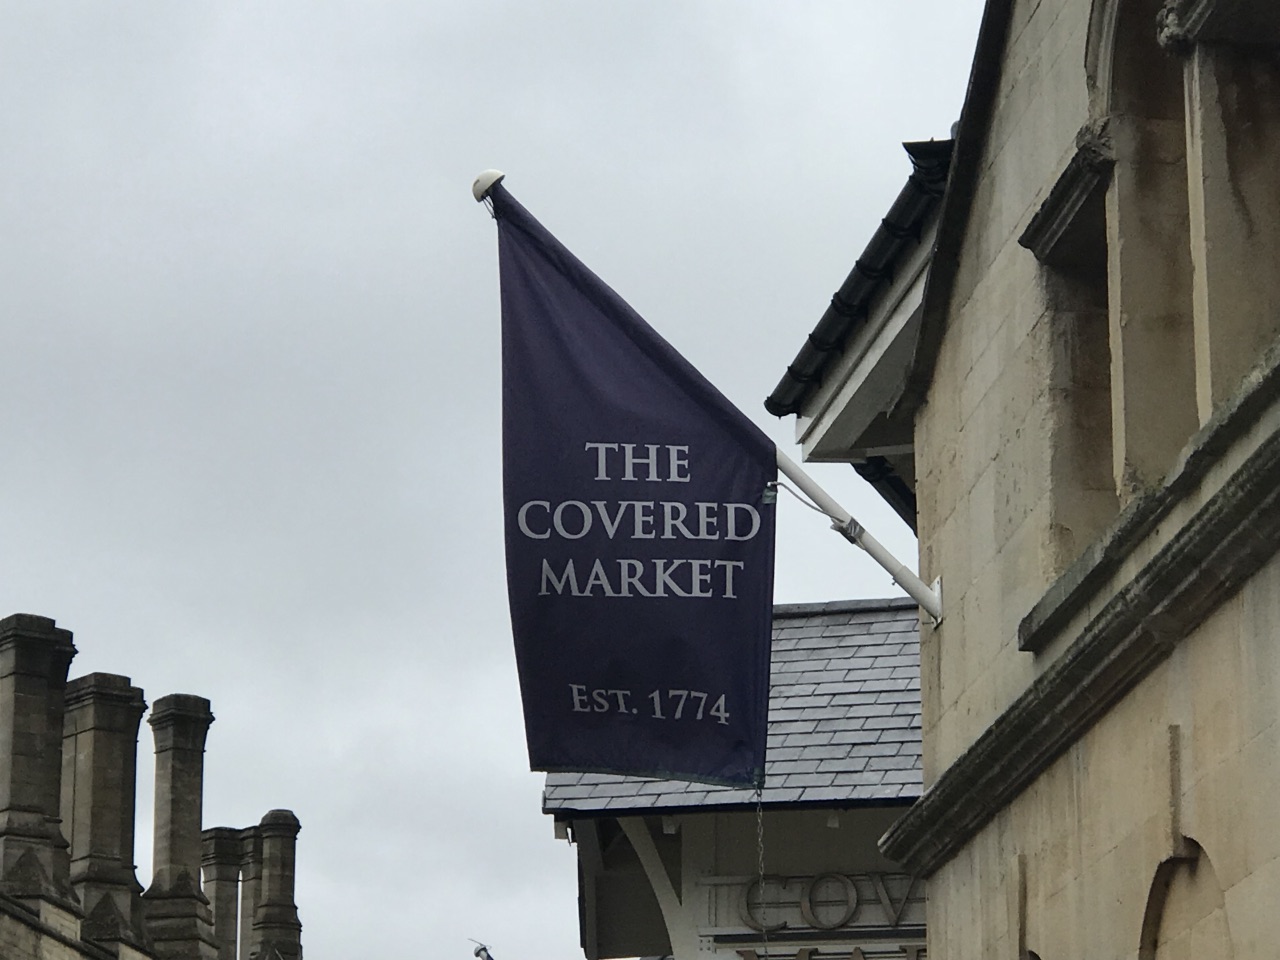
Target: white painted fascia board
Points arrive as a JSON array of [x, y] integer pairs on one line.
[[857, 388]]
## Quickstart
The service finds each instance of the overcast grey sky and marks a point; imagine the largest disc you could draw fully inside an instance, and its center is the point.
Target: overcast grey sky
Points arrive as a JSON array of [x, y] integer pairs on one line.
[[250, 391]]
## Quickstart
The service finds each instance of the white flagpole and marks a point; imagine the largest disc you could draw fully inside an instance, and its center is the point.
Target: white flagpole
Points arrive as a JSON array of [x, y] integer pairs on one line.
[[855, 533], [841, 521]]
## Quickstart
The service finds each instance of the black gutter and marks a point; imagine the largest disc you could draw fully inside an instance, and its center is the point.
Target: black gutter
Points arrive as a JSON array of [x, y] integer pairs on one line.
[[885, 481], [596, 813], [901, 227], [957, 205]]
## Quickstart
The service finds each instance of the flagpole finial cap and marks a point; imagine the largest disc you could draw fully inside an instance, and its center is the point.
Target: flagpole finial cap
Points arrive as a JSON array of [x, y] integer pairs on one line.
[[486, 182]]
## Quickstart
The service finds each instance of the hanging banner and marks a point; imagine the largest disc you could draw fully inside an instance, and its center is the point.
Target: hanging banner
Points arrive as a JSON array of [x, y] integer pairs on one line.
[[639, 532]]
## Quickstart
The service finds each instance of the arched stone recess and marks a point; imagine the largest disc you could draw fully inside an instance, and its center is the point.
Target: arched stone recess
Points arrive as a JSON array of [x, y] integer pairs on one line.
[[1098, 58], [1186, 913]]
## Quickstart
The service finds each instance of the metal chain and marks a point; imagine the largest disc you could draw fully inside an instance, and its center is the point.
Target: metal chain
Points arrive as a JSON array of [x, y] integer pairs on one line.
[[764, 919]]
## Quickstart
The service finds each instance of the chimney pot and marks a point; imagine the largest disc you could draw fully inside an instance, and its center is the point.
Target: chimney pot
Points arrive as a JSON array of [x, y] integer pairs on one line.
[[276, 926], [99, 784], [177, 912], [221, 861], [34, 658]]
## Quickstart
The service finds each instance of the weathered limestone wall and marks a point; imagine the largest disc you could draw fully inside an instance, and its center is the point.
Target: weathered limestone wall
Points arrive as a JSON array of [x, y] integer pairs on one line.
[[992, 524], [1013, 446], [1102, 732], [1184, 772], [20, 941], [1233, 139]]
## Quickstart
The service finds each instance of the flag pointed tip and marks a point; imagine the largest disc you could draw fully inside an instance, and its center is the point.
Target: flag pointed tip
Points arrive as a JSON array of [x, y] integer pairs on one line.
[[485, 182]]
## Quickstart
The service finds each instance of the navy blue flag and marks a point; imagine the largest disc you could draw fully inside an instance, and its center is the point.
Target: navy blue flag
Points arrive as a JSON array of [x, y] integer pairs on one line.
[[639, 532]]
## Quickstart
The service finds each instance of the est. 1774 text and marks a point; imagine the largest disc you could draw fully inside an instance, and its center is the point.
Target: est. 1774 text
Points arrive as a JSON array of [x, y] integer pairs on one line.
[[673, 704]]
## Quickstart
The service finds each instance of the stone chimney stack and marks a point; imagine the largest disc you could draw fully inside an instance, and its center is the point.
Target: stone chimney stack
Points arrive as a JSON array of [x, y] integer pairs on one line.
[[99, 784], [177, 912], [276, 926], [251, 888], [34, 865], [221, 860]]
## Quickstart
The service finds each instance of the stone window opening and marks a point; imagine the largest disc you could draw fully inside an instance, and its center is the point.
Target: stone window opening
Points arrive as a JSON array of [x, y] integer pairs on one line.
[[1068, 235]]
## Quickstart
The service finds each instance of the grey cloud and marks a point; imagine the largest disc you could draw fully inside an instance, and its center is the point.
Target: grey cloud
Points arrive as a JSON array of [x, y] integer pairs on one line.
[[249, 399]]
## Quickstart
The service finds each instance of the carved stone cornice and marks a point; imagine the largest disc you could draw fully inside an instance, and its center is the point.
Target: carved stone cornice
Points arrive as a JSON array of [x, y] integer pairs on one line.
[[1059, 217], [1251, 23], [1227, 540]]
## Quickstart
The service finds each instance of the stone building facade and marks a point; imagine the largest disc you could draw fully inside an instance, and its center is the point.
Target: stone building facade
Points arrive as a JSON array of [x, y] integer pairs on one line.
[[677, 869], [68, 776], [1091, 403]]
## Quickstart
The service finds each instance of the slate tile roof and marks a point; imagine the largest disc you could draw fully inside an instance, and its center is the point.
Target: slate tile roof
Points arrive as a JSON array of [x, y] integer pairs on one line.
[[844, 719]]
